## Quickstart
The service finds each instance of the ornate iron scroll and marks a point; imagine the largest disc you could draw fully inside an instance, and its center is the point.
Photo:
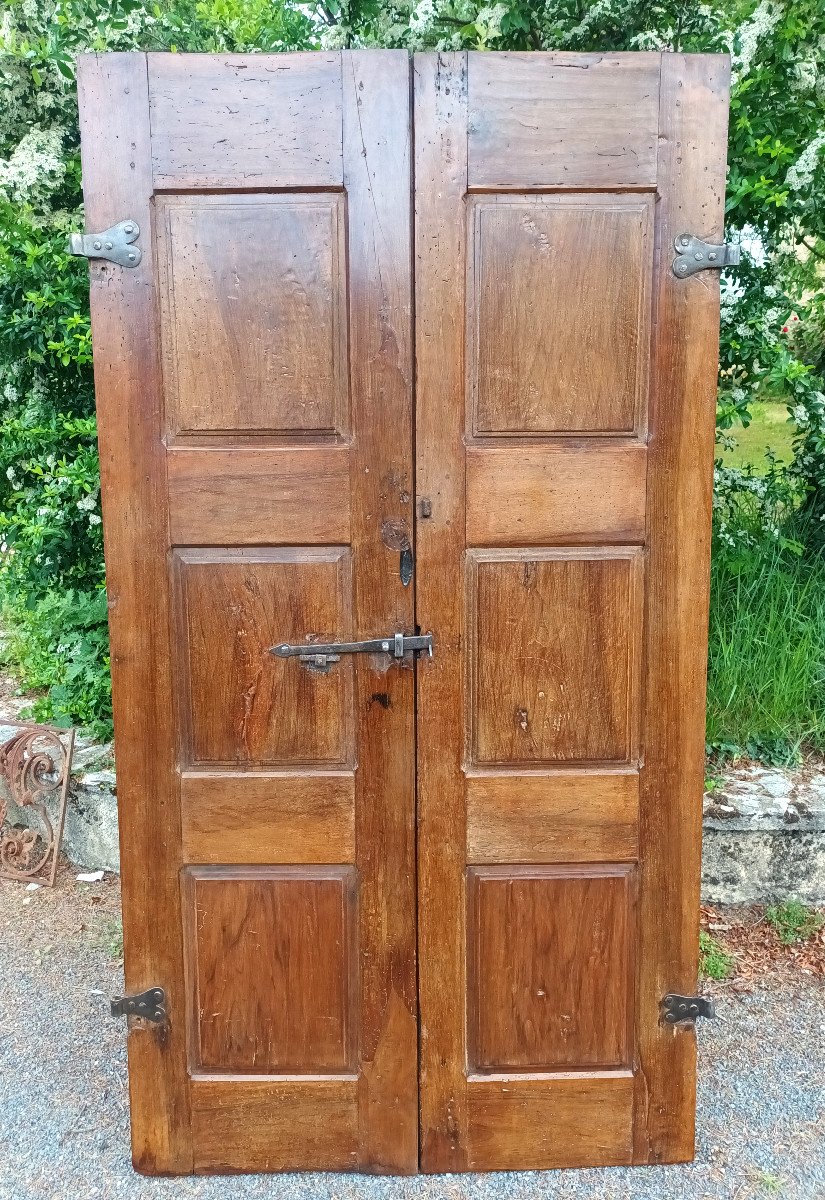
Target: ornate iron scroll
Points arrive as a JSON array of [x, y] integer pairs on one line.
[[35, 763]]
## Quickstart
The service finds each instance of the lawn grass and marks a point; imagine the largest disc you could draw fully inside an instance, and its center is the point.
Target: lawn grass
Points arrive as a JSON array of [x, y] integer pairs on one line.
[[766, 679], [766, 670], [769, 430]]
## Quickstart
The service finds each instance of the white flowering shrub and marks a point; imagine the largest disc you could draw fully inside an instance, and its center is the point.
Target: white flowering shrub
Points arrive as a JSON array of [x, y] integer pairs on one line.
[[772, 313]]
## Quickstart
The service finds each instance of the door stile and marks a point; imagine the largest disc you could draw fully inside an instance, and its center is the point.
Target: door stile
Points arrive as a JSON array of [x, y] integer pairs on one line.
[[440, 105], [377, 150], [693, 119], [117, 182]]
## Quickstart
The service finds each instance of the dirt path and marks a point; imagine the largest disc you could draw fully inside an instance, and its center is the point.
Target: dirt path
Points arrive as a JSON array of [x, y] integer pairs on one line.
[[64, 1099]]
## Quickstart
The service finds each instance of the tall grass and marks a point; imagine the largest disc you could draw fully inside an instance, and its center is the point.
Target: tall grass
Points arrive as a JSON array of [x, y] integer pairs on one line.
[[766, 682]]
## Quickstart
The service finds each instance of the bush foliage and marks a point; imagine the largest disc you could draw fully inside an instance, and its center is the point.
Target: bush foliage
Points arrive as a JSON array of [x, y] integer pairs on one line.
[[772, 314]]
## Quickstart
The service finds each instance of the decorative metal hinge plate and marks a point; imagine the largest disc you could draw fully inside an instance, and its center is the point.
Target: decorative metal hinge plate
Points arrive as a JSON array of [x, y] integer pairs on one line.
[[151, 1005], [678, 1009], [692, 255], [116, 244]]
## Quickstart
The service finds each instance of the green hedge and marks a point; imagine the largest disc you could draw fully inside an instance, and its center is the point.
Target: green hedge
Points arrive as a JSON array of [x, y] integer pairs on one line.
[[51, 572]]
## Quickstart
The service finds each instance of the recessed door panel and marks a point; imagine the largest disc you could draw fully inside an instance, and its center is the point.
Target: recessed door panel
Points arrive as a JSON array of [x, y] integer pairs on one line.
[[550, 968], [253, 303], [241, 704], [553, 648], [273, 963], [558, 313]]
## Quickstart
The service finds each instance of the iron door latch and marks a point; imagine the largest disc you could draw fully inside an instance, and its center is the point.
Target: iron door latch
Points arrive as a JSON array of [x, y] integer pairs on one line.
[[321, 655], [677, 1010], [692, 255], [151, 1005], [116, 244]]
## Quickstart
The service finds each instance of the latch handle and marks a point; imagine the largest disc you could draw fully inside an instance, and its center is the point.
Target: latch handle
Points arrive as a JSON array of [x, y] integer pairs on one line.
[[319, 656]]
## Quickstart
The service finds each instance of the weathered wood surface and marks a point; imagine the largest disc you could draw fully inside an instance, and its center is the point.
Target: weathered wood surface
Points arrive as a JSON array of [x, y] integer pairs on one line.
[[312, 917]]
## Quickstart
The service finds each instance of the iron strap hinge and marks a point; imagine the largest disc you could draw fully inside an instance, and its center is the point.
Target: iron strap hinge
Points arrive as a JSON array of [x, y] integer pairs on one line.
[[319, 656], [692, 255], [677, 1010], [116, 244], [151, 1005]]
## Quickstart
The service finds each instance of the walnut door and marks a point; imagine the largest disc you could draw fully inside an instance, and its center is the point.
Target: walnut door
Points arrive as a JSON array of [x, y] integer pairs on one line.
[[364, 972], [255, 411], [564, 446]]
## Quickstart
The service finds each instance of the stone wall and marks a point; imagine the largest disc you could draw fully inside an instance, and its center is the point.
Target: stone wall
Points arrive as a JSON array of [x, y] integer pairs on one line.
[[764, 836], [764, 828]]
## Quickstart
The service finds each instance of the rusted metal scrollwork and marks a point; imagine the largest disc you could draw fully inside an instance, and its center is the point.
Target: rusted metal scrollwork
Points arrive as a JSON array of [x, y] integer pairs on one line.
[[35, 763]]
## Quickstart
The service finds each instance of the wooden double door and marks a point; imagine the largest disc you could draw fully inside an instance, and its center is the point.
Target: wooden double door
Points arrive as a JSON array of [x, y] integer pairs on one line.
[[407, 912]]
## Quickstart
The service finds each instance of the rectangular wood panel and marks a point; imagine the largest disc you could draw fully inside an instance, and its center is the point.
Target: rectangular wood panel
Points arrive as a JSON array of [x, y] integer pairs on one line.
[[253, 314], [558, 339], [568, 1121], [271, 960], [553, 654], [563, 120], [550, 953], [257, 1131], [544, 494], [556, 816], [263, 817], [239, 702], [243, 497], [232, 120]]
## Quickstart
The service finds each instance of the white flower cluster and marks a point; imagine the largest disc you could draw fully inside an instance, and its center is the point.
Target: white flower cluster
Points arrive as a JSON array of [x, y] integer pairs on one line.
[[765, 18], [423, 16], [334, 37], [88, 502], [805, 75], [36, 167], [489, 20], [801, 172]]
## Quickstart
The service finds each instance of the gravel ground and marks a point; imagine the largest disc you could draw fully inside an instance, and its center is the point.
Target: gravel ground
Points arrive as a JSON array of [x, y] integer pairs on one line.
[[64, 1104]]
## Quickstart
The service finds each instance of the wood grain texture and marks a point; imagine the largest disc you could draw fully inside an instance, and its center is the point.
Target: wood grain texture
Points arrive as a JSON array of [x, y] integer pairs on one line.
[[563, 120], [563, 816], [253, 314], [553, 664], [693, 141], [231, 120], [263, 540], [558, 313], [378, 180], [539, 1124], [240, 703], [552, 494], [542, 122], [264, 817], [440, 100], [272, 959], [551, 967], [117, 182], [257, 1131], [240, 496]]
